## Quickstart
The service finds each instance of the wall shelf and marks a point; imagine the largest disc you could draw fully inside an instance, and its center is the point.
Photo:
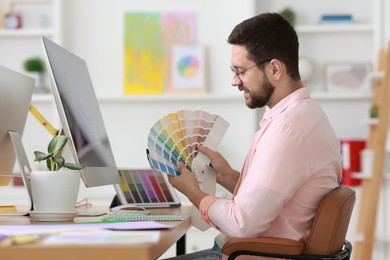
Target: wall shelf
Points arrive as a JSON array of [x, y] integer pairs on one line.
[[42, 98], [335, 28], [164, 97], [207, 97], [364, 175], [26, 32], [319, 95], [172, 97]]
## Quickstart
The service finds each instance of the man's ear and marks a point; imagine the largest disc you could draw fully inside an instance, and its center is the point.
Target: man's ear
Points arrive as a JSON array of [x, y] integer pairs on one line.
[[278, 68]]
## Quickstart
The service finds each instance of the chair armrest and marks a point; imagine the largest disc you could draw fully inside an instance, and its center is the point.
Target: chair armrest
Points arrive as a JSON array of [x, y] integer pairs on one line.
[[271, 245]]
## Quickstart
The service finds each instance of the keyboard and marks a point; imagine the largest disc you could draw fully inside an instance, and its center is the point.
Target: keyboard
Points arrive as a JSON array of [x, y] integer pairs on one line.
[[138, 215]]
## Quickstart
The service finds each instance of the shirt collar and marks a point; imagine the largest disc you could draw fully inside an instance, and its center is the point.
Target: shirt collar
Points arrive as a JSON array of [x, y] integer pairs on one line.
[[301, 93]]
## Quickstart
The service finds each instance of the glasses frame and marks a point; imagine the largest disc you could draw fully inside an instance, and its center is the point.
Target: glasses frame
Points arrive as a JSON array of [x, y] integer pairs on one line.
[[238, 73]]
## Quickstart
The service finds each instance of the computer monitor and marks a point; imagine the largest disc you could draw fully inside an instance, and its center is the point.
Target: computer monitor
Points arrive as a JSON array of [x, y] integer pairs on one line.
[[80, 115], [15, 97]]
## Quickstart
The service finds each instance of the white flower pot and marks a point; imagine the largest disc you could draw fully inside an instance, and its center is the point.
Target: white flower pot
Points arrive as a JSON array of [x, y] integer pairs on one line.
[[55, 191]]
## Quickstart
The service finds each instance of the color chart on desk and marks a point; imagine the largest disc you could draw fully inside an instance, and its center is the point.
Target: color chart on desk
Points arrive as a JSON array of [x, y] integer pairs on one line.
[[173, 138], [144, 186]]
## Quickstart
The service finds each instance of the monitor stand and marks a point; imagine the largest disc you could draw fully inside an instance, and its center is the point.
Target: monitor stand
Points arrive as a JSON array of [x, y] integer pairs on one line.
[[25, 170]]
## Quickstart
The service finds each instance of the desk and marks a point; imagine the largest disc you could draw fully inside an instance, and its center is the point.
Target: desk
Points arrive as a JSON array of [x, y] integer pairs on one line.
[[39, 251]]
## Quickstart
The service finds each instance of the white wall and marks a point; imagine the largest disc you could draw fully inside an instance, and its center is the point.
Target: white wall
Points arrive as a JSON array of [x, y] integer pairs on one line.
[[93, 29], [310, 11]]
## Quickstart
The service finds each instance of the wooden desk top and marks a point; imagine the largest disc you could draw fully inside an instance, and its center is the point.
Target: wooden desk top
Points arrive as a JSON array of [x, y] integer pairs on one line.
[[38, 251]]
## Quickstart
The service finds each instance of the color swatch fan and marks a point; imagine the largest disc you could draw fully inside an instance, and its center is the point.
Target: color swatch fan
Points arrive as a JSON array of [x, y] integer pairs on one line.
[[174, 138]]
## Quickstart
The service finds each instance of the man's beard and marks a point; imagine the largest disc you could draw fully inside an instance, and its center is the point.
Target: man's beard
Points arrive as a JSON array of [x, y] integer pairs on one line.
[[260, 98]]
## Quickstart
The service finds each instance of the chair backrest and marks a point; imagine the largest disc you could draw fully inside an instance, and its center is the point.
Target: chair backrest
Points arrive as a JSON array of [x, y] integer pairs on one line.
[[331, 222]]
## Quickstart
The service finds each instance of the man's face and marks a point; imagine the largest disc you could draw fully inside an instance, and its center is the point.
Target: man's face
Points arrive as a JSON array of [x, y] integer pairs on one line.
[[250, 79]]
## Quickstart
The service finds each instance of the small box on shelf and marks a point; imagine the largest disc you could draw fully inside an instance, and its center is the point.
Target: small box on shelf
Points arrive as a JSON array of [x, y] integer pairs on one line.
[[351, 150]]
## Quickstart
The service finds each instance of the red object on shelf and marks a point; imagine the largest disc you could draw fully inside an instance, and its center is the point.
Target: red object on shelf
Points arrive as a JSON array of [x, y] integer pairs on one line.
[[350, 150], [12, 21], [18, 181]]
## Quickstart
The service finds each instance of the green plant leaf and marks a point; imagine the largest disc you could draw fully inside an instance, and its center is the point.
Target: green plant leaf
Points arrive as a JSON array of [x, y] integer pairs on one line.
[[49, 164], [56, 144], [39, 156], [60, 161], [74, 166]]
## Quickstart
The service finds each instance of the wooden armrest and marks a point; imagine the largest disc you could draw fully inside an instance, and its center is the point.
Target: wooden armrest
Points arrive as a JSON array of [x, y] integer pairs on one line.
[[270, 245]]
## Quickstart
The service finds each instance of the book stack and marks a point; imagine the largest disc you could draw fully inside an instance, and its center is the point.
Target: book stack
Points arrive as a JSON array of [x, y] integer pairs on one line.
[[336, 18], [7, 208]]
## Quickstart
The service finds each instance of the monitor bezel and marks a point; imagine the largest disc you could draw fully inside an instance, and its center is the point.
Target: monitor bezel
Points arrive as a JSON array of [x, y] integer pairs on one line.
[[91, 176]]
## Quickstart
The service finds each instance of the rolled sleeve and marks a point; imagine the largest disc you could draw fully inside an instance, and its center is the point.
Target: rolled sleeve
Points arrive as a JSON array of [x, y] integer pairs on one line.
[[204, 205]]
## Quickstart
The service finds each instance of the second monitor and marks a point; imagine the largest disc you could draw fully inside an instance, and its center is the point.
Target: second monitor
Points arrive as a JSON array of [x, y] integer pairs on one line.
[[80, 115]]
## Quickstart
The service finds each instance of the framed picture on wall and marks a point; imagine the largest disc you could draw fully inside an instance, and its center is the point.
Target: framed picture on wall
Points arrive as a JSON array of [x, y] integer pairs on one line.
[[188, 69], [348, 76]]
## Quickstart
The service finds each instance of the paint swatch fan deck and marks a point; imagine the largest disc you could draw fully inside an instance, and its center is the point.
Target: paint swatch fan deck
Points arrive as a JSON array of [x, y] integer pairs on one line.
[[173, 139]]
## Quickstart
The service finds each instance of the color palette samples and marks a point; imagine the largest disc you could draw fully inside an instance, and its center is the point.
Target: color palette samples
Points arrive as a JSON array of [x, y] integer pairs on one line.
[[144, 186], [173, 138], [188, 66]]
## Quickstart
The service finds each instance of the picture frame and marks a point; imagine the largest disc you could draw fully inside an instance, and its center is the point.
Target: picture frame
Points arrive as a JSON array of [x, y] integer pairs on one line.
[[347, 76], [188, 69]]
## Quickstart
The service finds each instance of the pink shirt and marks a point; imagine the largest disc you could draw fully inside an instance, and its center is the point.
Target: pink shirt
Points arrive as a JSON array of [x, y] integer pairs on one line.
[[294, 161]]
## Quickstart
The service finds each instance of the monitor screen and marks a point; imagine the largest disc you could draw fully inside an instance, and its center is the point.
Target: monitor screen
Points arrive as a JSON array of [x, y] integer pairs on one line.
[[15, 97], [80, 115]]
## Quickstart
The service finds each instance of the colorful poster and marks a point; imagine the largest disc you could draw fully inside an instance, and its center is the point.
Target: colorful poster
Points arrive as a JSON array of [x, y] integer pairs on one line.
[[143, 54], [178, 28], [149, 38]]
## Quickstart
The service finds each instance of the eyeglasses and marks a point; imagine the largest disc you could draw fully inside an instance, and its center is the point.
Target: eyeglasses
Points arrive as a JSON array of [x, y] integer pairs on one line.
[[238, 73]]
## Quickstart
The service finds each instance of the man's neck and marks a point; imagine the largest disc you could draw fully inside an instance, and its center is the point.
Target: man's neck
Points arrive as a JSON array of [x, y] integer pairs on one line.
[[283, 90]]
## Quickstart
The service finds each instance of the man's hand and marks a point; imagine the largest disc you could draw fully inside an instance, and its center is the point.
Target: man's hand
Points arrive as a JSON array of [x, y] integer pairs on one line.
[[187, 184]]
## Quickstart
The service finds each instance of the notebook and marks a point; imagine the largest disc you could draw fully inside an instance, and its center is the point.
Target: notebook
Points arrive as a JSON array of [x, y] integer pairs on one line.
[[139, 216], [146, 188]]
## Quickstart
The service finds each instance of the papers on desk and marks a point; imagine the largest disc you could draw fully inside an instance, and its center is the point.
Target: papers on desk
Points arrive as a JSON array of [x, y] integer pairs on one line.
[[90, 233], [123, 226], [102, 237]]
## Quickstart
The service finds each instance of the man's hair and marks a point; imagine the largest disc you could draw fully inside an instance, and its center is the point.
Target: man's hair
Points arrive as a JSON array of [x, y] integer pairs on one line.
[[268, 36]]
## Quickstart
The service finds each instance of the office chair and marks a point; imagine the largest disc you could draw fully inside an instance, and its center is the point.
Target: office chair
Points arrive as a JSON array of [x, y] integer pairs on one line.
[[325, 241]]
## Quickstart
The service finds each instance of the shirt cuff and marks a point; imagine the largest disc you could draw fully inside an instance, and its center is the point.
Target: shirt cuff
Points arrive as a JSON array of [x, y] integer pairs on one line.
[[204, 205]]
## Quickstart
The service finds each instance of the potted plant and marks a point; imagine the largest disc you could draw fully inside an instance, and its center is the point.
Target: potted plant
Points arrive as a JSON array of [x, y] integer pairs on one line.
[[55, 191], [36, 67], [54, 160]]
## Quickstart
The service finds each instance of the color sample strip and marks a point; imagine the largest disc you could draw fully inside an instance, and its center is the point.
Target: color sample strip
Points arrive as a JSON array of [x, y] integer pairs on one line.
[[133, 192], [125, 188], [147, 186], [153, 180], [164, 188], [140, 187]]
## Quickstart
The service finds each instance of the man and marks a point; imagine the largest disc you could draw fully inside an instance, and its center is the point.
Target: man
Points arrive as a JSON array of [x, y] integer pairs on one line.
[[295, 157]]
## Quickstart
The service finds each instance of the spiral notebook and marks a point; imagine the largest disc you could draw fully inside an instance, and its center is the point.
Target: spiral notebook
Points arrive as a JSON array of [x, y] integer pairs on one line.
[[142, 217]]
